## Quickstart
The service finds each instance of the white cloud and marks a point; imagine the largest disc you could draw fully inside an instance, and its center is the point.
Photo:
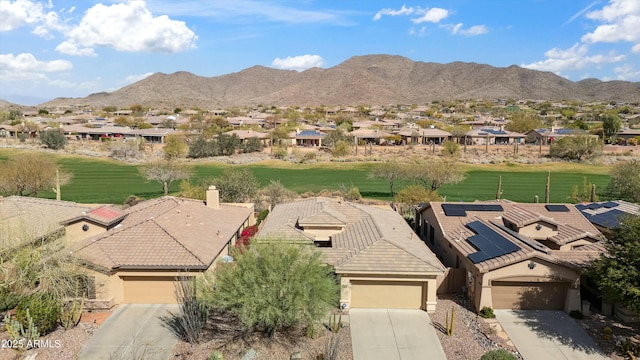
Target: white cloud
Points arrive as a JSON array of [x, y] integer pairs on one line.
[[14, 14], [620, 22], [130, 27], [386, 11], [433, 15], [26, 68], [69, 48], [627, 72], [472, 31], [298, 63], [574, 58], [136, 77], [636, 48]]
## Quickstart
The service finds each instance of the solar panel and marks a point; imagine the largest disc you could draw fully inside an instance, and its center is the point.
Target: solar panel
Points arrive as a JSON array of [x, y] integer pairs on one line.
[[610, 219], [610, 204], [489, 243], [453, 210], [557, 208]]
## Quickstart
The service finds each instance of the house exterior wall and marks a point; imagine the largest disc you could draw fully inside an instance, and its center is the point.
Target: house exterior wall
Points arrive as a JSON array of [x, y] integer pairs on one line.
[[74, 231], [322, 232]]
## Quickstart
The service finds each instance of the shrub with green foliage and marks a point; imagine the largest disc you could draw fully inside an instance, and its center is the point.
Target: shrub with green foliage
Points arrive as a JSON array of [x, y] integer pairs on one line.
[[275, 286], [252, 145], [487, 313], [44, 309], [8, 299], [579, 147], [261, 216], [451, 149], [576, 314], [498, 354], [53, 139]]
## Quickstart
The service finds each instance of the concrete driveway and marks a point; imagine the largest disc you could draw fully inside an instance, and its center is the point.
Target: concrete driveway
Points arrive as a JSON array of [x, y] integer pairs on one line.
[[543, 335], [133, 331], [390, 334]]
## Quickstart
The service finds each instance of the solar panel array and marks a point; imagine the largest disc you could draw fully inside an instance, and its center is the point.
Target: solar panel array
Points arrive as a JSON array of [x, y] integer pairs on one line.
[[609, 219], [557, 208], [595, 205], [490, 243], [494, 131], [461, 209]]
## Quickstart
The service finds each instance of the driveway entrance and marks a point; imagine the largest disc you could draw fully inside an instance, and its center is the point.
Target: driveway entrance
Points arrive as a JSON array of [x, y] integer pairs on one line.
[[393, 334], [544, 334], [133, 331]]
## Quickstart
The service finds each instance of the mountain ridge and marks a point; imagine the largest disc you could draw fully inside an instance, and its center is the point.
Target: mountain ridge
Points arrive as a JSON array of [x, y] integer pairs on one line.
[[367, 79]]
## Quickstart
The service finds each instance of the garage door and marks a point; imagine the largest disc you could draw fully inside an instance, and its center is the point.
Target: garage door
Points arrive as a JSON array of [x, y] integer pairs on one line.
[[529, 295], [386, 294], [149, 290]]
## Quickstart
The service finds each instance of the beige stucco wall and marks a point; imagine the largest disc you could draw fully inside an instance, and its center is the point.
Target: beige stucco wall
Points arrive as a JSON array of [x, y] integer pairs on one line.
[[74, 232], [429, 295], [322, 232]]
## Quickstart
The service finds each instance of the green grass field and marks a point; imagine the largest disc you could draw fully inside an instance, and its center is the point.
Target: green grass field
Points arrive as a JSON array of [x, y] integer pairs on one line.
[[107, 181]]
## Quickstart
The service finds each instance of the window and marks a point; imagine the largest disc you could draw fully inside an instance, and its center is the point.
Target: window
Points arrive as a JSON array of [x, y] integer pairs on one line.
[[431, 234]]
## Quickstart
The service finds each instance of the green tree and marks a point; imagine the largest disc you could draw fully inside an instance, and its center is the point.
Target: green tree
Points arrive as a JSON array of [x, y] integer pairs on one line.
[[523, 121], [227, 144], [274, 286], [618, 272], [611, 125], [434, 172], [391, 171], [236, 185], [53, 139], [451, 149], [29, 174], [578, 147], [165, 172], [275, 193], [175, 146], [625, 181], [252, 145], [341, 148]]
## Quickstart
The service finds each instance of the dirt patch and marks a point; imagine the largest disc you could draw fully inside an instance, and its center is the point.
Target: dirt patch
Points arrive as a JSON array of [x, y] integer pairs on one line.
[[58, 345], [223, 333], [595, 325], [472, 335]]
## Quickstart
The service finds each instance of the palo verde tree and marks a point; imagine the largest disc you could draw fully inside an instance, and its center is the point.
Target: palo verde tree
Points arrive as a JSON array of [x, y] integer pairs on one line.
[[391, 171], [53, 139], [165, 172], [434, 172], [29, 174], [274, 286], [611, 125], [578, 147], [617, 273], [236, 185]]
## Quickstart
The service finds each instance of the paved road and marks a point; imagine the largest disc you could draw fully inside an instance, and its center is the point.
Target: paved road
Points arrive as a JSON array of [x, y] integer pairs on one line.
[[543, 335], [390, 334], [133, 331]]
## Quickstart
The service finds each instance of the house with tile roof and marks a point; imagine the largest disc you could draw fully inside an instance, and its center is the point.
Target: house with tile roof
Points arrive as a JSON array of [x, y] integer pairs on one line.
[[514, 255], [380, 260], [493, 136], [137, 260], [606, 215]]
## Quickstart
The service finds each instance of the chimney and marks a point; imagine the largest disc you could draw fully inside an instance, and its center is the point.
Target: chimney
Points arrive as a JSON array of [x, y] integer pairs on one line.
[[213, 197]]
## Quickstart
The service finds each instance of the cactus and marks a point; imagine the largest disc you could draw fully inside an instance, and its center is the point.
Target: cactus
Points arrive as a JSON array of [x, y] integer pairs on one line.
[[17, 331], [335, 325], [449, 324], [71, 313]]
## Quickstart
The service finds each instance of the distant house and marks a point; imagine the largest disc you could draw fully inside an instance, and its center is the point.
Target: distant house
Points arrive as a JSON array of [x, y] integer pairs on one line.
[[547, 136], [245, 135], [369, 136], [424, 136], [628, 134], [309, 137], [381, 262], [493, 135], [513, 255]]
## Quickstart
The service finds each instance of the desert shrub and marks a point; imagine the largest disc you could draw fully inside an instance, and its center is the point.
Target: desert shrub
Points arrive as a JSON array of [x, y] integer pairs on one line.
[[8, 299], [125, 150], [487, 313], [252, 145], [44, 309], [53, 139], [310, 156], [580, 147], [341, 148], [280, 152], [261, 216], [187, 324], [498, 354], [450, 148], [132, 200]]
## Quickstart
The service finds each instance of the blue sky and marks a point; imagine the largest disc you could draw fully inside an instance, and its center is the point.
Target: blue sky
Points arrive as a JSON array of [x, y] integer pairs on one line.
[[57, 48]]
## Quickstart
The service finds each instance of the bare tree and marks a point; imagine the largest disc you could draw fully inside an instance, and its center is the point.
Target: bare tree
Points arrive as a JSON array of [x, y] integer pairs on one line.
[[434, 172], [165, 172], [29, 174]]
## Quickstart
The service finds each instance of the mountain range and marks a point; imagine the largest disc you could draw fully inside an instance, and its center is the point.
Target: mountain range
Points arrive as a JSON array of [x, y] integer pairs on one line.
[[360, 80]]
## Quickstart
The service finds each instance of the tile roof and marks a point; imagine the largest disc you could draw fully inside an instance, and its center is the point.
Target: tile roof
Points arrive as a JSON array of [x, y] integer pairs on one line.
[[105, 215], [167, 233], [571, 226], [374, 240], [35, 217]]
